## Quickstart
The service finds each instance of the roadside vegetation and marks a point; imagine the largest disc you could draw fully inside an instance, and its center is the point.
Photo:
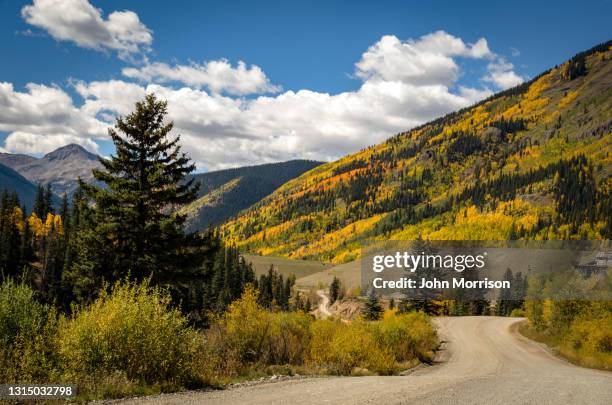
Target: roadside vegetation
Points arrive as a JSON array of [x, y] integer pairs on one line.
[[131, 341], [576, 328]]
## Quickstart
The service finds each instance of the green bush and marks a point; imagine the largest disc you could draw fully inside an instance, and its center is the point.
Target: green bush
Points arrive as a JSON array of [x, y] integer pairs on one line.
[[133, 331], [517, 313], [130, 341], [27, 336], [20, 314]]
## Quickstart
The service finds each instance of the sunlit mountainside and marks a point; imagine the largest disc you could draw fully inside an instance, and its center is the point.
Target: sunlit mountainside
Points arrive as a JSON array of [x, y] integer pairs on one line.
[[531, 162]]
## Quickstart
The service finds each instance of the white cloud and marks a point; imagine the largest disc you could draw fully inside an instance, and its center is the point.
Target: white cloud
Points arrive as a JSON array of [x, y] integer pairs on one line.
[[220, 131], [501, 73], [217, 75], [23, 142], [45, 110], [79, 22], [108, 98], [403, 84], [427, 60]]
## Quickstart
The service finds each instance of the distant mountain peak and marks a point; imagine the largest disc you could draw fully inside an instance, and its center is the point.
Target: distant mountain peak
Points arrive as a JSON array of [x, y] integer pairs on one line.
[[71, 150]]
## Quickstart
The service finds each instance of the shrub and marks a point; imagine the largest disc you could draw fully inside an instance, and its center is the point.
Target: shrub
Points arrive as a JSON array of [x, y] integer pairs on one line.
[[407, 336], [245, 327], [20, 313], [27, 336], [591, 335], [518, 313], [249, 333], [133, 331], [290, 337], [340, 348]]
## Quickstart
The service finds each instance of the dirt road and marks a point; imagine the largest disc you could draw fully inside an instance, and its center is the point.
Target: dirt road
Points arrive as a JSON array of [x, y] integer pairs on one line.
[[483, 361], [324, 305]]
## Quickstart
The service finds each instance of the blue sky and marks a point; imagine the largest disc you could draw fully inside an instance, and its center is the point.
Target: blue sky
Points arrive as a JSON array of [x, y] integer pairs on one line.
[[311, 57]]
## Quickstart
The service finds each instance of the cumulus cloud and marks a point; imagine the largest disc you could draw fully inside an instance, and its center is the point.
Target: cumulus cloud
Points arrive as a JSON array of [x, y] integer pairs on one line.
[[79, 22], [402, 84], [220, 131], [45, 110], [427, 60], [217, 75], [24, 142], [501, 73]]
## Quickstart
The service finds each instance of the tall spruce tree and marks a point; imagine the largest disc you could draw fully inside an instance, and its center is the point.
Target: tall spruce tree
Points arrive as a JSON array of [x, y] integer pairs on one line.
[[135, 214]]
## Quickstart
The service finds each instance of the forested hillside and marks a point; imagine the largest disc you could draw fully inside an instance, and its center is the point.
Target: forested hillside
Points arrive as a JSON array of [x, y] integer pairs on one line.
[[225, 193], [531, 162]]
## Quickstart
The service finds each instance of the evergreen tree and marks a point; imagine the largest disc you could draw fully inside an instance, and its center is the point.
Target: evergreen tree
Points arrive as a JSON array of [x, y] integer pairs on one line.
[[48, 196], [40, 202], [135, 214], [64, 210], [372, 310], [334, 289], [503, 305]]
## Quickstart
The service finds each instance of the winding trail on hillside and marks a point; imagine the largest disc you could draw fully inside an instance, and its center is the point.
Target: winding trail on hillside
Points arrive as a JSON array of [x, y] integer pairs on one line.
[[324, 304], [483, 360]]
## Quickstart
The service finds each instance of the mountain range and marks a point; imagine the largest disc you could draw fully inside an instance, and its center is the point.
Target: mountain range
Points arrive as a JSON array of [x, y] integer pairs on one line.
[[531, 162], [61, 168], [222, 193]]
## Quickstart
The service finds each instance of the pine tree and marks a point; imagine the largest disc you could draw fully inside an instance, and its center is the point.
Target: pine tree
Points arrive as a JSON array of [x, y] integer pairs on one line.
[[502, 307], [40, 206], [334, 289], [48, 197], [64, 210], [135, 214], [372, 310]]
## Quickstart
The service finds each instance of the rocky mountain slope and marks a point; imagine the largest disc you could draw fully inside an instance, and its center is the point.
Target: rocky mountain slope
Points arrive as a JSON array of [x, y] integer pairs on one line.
[[60, 168], [531, 162], [225, 193]]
